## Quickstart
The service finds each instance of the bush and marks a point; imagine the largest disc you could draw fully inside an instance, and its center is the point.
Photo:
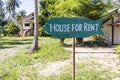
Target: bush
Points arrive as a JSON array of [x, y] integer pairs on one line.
[[42, 32], [118, 50], [98, 40], [11, 29]]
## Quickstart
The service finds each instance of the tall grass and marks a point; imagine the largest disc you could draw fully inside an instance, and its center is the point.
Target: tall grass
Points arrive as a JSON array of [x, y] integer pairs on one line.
[[50, 50], [118, 50]]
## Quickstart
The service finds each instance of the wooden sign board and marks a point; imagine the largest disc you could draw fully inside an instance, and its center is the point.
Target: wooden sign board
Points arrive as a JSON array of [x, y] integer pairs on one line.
[[73, 27]]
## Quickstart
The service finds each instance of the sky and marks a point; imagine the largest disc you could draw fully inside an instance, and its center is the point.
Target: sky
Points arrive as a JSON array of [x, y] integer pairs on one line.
[[27, 5]]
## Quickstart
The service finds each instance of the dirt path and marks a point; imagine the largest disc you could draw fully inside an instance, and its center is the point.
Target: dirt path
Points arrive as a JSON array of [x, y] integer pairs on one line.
[[4, 53]]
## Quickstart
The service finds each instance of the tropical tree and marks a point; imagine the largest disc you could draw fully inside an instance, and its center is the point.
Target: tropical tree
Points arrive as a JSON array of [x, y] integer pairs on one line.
[[1, 10], [11, 5], [94, 10], [20, 15], [35, 41], [1, 4], [47, 10], [1, 15]]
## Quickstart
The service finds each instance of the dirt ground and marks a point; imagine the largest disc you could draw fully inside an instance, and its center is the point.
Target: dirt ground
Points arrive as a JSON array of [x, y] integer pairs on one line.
[[4, 53]]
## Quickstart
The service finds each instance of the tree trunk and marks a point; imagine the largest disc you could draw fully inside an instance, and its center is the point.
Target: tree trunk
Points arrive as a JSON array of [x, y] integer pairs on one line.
[[79, 40], [62, 41], [0, 31], [35, 41]]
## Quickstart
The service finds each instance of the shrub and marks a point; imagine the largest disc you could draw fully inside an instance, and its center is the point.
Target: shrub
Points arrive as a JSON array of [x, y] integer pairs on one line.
[[118, 50], [98, 40], [42, 32], [11, 29]]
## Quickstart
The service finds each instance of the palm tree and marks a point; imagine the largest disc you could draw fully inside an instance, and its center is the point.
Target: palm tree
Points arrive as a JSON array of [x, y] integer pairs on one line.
[[11, 5], [35, 41], [1, 15], [20, 15], [1, 11]]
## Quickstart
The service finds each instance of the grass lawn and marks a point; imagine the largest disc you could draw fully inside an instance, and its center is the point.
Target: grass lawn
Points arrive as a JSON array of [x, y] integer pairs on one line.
[[50, 50], [9, 42], [23, 67]]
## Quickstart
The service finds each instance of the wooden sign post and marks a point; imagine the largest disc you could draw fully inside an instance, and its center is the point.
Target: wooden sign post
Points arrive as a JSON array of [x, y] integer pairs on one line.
[[63, 27], [73, 68]]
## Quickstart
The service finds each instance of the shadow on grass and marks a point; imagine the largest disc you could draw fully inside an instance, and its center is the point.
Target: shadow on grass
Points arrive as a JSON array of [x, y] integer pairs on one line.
[[25, 40], [16, 39], [11, 44], [91, 44], [15, 43], [5, 47]]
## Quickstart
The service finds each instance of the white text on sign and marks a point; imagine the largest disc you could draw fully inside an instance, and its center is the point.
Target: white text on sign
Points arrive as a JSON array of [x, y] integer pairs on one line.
[[73, 27]]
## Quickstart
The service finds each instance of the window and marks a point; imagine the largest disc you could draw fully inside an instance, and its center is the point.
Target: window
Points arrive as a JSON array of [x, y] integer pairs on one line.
[[27, 24]]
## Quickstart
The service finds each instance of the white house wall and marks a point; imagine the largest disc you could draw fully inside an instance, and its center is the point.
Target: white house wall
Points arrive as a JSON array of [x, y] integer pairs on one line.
[[117, 35], [116, 32], [107, 29]]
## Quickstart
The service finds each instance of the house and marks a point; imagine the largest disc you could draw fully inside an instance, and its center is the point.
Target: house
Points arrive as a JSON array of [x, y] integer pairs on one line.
[[27, 25], [111, 28]]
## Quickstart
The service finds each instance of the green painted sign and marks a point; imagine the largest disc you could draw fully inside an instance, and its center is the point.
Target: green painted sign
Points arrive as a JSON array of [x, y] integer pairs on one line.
[[73, 27]]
